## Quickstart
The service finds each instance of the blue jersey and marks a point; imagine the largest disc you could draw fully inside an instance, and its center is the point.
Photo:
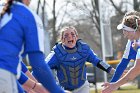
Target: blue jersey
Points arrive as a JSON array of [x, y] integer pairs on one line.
[[19, 27], [24, 68], [21, 30], [129, 54], [23, 78]]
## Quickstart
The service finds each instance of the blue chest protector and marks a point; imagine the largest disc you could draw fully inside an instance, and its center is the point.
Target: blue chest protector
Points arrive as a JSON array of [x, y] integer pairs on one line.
[[72, 69]]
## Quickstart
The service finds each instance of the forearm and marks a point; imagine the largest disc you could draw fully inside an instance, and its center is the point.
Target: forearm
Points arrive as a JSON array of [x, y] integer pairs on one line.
[[43, 73], [130, 75], [105, 67], [29, 84], [30, 76], [120, 69]]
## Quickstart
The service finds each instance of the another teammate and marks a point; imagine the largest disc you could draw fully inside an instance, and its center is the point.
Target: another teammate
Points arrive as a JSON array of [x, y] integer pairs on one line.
[[68, 58], [131, 30], [21, 28]]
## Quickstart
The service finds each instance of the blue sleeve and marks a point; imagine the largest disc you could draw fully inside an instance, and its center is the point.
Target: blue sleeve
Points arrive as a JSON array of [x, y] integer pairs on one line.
[[132, 53], [43, 73], [52, 61], [92, 58], [24, 68], [129, 54], [120, 69], [23, 78], [34, 33]]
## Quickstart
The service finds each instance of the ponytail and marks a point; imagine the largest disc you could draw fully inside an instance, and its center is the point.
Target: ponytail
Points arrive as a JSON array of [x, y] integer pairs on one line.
[[10, 2]]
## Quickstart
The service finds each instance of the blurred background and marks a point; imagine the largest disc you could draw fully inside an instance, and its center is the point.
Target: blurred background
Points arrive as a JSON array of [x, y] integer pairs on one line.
[[96, 22]]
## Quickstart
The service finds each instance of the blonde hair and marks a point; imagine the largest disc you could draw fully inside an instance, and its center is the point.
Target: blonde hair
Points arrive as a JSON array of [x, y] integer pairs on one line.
[[66, 28]]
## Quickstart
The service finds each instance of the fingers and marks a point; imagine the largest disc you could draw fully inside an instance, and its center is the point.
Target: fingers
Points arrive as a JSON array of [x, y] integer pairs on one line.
[[106, 91], [107, 88], [31, 91], [67, 91], [105, 84]]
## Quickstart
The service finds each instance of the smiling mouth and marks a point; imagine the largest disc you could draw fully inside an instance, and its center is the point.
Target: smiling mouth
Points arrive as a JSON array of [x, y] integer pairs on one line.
[[70, 42]]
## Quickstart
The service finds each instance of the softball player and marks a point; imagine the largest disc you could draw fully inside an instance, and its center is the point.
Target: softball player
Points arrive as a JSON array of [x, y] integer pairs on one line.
[[21, 28]]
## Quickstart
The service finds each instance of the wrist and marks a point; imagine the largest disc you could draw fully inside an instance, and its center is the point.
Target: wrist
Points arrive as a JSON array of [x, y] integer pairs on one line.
[[112, 71], [115, 85]]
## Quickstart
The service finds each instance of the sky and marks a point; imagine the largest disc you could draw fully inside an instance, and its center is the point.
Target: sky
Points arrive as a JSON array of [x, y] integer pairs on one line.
[[59, 4], [49, 5]]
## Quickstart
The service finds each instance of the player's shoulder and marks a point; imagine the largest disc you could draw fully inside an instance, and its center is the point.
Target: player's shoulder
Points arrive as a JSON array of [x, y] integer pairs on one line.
[[83, 43], [24, 11]]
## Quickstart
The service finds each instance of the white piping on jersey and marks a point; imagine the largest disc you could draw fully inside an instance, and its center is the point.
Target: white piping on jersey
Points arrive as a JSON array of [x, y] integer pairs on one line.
[[127, 49], [138, 52], [5, 19], [40, 29], [19, 67]]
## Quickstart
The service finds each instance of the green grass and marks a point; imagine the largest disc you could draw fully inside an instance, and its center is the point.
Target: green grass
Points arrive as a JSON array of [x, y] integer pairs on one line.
[[129, 89]]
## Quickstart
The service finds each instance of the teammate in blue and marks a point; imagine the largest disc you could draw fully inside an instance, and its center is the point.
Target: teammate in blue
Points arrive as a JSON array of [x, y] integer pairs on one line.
[[68, 58], [21, 28], [131, 30], [129, 54]]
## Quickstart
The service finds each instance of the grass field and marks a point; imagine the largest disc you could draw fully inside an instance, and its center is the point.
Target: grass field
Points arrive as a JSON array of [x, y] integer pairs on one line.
[[129, 89]]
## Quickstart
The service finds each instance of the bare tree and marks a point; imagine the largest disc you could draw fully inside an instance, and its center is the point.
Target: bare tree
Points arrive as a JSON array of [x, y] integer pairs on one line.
[[86, 13], [57, 21], [54, 24]]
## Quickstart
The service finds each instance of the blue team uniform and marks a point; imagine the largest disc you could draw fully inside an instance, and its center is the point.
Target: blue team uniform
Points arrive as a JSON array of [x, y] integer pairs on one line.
[[24, 68], [23, 29], [70, 64], [129, 54], [23, 78]]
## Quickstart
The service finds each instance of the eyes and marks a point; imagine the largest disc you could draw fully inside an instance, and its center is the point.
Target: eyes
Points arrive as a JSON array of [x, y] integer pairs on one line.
[[67, 35]]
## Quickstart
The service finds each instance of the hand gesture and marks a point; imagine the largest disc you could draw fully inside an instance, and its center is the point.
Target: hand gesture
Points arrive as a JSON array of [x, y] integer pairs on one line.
[[109, 87]]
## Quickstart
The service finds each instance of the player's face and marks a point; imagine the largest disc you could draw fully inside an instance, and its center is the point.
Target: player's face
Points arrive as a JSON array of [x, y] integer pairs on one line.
[[69, 38], [130, 35]]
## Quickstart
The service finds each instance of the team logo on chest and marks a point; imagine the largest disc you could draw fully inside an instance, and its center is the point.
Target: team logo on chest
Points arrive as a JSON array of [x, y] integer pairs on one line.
[[73, 58]]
